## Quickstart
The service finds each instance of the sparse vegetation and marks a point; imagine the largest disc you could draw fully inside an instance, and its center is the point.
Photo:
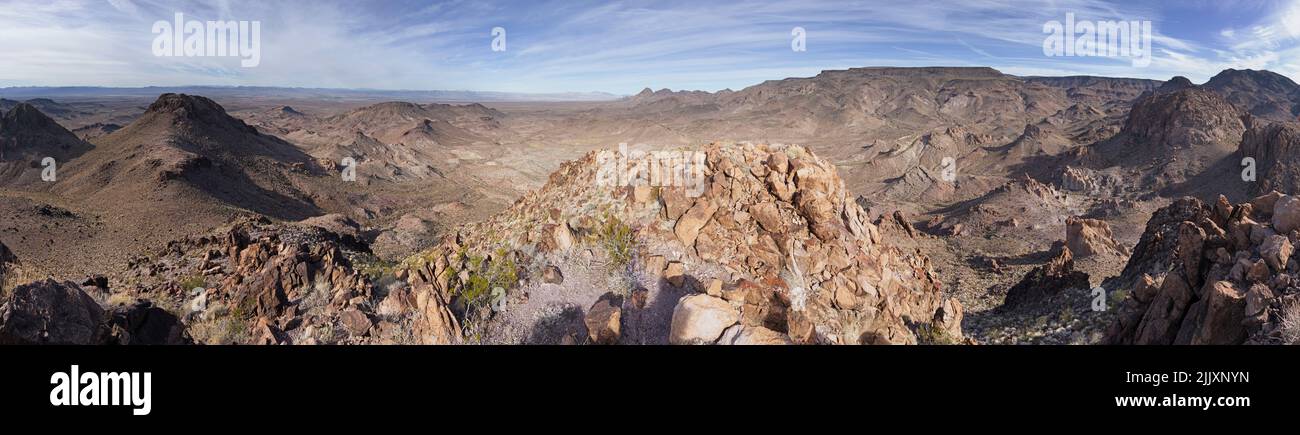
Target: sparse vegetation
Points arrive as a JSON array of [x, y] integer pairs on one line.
[[616, 238], [486, 281], [1290, 323], [192, 282], [374, 267], [930, 334]]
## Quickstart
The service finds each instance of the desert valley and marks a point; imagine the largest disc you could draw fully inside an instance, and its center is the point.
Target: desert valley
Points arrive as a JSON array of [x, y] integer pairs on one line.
[[877, 205]]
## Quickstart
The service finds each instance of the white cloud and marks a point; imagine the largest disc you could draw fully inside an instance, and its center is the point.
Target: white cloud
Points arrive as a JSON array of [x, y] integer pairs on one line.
[[616, 46]]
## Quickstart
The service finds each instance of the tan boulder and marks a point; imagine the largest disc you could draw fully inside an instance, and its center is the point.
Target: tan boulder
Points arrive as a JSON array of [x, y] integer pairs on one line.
[[700, 319], [552, 275], [675, 202]]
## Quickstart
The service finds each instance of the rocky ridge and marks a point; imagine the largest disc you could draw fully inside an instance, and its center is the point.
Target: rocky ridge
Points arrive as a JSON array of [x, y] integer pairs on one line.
[[773, 247]]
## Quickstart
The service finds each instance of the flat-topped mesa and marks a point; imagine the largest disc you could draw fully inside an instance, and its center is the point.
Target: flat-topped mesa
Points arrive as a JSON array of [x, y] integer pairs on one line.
[[949, 71], [794, 254]]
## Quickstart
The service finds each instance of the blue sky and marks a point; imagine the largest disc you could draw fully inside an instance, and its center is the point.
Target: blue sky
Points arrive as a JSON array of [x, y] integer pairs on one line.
[[619, 46]]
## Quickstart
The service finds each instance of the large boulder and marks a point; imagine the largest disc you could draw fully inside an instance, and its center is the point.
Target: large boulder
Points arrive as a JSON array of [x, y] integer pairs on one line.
[[1286, 214], [701, 319], [50, 312], [142, 323]]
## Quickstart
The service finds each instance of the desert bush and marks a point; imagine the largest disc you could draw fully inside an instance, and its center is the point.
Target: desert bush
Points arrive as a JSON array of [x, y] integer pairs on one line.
[[616, 238], [1289, 322]]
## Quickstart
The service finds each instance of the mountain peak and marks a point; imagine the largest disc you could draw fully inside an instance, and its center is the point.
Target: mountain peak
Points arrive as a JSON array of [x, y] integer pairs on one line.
[[1176, 83], [26, 132], [191, 106]]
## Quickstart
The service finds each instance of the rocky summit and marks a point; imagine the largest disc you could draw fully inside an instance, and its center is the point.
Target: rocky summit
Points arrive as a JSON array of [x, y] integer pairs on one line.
[[772, 248]]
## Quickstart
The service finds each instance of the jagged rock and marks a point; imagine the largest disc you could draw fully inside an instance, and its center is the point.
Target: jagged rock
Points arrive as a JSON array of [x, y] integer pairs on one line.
[[1087, 237], [1258, 299], [1265, 203], [434, 322], [1224, 312], [563, 237], [1044, 281], [1078, 180], [604, 320], [688, 226], [701, 319], [50, 312], [1201, 298], [1276, 251], [675, 203], [398, 303], [713, 288], [768, 216], [948, 318]]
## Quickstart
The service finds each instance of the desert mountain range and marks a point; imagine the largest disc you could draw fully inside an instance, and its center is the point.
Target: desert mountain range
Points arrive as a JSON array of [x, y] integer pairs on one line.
[[942, 205]]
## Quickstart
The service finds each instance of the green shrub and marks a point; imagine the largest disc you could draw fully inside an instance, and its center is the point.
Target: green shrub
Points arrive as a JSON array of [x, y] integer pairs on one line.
[[930, 334], [616, 237]]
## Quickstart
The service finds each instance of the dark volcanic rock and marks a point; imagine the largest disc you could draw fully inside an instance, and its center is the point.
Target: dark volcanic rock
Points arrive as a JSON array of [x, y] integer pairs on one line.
[[143, 323], [1047, 280], [1276, 150], [50, 312]]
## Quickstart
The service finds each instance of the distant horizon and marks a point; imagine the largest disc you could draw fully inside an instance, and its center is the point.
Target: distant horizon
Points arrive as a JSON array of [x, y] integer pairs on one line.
[[571, 92], [550, 47]]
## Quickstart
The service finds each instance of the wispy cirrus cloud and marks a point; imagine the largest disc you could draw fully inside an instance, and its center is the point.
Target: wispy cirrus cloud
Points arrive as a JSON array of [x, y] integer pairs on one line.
[[617, 46]]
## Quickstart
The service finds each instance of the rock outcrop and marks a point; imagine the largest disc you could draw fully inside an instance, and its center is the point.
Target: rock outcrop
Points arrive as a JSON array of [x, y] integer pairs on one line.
[[1087, 237], [1209, 274], [775, 223], [1275, 148], [62, 313], [1052, 278]]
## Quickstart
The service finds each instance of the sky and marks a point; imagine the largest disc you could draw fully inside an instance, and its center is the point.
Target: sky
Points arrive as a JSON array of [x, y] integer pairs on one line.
[[620, 46]]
